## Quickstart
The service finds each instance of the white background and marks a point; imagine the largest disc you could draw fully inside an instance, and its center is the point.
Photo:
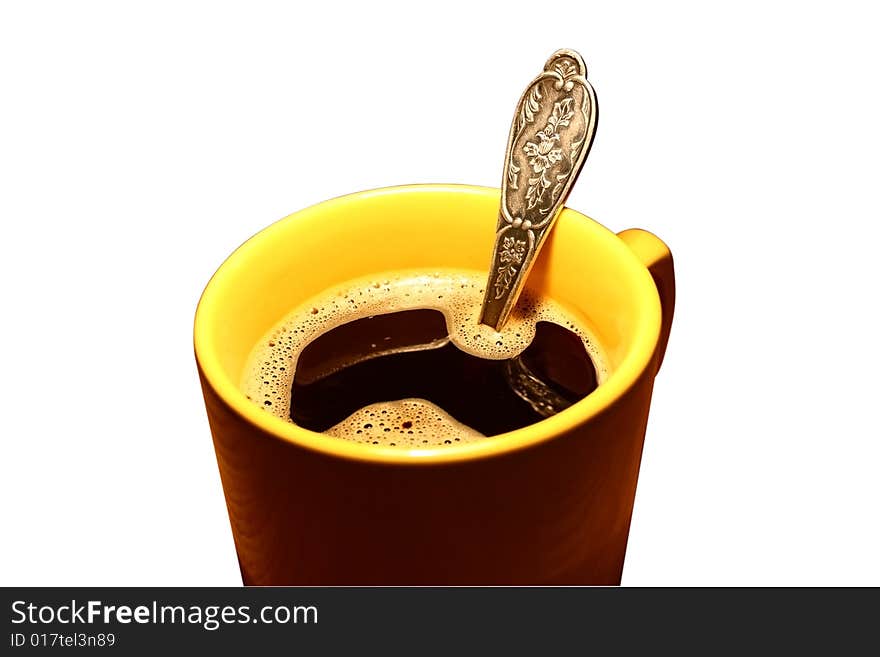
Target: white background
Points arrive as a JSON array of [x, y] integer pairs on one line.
[[140, 143]]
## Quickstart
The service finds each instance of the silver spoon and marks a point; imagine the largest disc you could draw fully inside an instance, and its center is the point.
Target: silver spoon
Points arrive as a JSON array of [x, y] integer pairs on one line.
[[550, 137]]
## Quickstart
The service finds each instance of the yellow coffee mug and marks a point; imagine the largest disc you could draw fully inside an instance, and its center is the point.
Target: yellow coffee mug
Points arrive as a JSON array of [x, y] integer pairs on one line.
[[547, 504]]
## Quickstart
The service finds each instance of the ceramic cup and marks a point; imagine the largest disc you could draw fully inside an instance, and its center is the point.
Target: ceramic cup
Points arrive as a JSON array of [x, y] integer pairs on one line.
[[546, 504]]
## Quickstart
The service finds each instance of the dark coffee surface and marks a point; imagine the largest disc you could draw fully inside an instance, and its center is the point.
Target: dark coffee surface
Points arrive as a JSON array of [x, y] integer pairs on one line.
[[407, 355]]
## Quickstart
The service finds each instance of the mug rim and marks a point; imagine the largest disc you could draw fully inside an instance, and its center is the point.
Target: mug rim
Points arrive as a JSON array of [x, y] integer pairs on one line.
[[630, 370]]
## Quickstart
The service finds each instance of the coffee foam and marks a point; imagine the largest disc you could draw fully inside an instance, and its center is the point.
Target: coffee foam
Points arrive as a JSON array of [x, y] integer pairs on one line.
[[412, 423], [458, 294]]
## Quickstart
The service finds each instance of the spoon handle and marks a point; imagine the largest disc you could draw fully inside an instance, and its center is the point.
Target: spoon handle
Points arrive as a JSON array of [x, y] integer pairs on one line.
[[550, 137]]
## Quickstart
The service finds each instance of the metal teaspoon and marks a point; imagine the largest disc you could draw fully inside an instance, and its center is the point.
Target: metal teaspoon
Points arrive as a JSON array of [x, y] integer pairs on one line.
[[550, 137]]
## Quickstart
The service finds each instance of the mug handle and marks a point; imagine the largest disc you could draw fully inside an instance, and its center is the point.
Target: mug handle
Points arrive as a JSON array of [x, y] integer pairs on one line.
[[657, 257]]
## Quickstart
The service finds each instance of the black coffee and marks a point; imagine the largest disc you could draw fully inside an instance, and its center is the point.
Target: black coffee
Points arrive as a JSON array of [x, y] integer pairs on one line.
[[407, 354], [401, 360]]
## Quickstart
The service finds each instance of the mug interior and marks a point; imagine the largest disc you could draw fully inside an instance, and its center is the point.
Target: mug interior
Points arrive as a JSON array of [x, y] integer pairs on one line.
[[583, 266]]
